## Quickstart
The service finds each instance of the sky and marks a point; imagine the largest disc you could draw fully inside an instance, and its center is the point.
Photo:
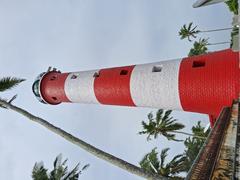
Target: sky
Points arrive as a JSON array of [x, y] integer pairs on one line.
[[74, 35]]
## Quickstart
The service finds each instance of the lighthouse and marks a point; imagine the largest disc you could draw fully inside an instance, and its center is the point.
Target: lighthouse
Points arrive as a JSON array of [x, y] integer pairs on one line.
[[202, 84]]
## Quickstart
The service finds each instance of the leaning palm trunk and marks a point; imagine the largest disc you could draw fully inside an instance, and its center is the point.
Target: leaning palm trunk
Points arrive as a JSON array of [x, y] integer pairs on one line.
[[218, 43], [213, 30], [189, 134], [87, 147]]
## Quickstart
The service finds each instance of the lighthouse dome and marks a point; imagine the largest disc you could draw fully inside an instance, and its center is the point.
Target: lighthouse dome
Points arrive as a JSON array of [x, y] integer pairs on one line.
[[36, 87]]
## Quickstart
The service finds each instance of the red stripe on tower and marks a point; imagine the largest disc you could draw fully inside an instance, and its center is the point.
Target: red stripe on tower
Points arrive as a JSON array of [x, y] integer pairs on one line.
[[209, 82], [52, 87], [112, 86]]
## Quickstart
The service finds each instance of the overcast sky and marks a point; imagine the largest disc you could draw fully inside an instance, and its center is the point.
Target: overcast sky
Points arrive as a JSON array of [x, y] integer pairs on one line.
[[75, 35]]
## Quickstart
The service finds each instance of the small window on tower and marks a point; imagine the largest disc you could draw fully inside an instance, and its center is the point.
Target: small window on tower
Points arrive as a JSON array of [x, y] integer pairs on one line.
[[123, 72], [157, 68], [73, 76], [53, 78], [197, 64], [96, 74]]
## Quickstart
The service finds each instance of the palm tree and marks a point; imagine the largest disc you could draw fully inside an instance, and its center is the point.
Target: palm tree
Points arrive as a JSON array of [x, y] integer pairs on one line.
[[199, 47], [164, 125], [190, 31], [170, 170], [60, 171], [82, 144], [193, 145]]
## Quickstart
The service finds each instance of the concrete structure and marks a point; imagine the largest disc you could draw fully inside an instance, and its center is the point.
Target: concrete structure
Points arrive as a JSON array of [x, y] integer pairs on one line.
[[235, 38], [203, 84], [219, 156]]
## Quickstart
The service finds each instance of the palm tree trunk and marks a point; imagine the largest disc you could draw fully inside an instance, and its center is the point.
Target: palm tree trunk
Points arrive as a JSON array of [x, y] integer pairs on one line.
[[87, 147], [189, 134], [218, 43], [213, 30]]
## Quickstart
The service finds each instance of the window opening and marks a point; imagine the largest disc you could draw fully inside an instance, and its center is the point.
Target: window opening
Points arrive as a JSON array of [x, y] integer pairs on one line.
[[73, 77], [96, 74], [124, 72], [157, 68], [197, 64], [53, 78]]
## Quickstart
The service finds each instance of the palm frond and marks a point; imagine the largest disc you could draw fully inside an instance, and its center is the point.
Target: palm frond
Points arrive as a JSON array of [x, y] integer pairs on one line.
[[233, 6], [150, 116], [163, 156], [85, 167], [162, 124], [72, 175], [39, 172], [60, 169], [159, 116], [150, 160], [7, 83], [188, 31]]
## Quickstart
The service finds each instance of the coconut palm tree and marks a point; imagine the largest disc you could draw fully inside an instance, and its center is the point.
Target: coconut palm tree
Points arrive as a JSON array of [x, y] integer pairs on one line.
[[163, 124], [199, 47], [170, 170], [60, 171], [190, 31], [82, 144]]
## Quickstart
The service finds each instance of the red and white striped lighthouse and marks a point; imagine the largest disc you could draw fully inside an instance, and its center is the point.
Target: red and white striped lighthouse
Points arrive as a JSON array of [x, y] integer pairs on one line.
[[203, 84]]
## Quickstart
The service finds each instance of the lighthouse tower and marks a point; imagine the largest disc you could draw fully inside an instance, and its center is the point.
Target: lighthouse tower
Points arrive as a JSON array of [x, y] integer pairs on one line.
[[202, 84]]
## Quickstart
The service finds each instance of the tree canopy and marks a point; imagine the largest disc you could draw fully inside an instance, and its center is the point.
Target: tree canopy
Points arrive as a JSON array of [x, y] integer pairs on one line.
[[59, 172], [161, 124], [153, 163]]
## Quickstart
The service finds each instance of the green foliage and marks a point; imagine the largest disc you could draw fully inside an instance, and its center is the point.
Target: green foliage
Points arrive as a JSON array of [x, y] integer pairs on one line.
[[154, 164], [162, 124], [232, 6], [180, 163], [39, 172], [150, 158], [193, 145], [60, 171], [199, 47], [188, 31], [7, 83]]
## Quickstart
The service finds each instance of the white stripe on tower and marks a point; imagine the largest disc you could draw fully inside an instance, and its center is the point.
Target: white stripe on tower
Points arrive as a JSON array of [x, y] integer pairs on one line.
[[156, 85], [79, 87]]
